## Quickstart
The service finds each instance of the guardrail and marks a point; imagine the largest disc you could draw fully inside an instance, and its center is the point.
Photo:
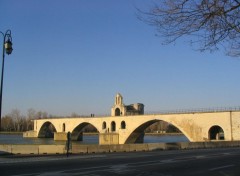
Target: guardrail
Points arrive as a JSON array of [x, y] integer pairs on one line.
[[185, 111], [198, 110]]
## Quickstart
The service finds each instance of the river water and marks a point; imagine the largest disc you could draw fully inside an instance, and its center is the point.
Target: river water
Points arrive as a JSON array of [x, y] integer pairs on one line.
[[87, 139]]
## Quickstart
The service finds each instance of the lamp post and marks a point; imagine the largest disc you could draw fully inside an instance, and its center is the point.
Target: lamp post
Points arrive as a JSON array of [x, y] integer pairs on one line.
[[7, 48]]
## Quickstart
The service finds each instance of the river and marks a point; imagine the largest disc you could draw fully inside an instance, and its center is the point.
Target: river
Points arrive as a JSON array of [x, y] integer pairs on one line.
[[87, 139]]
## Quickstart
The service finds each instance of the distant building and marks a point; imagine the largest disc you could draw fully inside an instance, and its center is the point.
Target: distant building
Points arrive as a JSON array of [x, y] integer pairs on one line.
[[119, 109]]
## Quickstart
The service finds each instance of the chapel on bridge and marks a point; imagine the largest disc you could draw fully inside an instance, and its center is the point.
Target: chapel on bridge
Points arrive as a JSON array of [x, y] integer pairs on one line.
[[119, 109]]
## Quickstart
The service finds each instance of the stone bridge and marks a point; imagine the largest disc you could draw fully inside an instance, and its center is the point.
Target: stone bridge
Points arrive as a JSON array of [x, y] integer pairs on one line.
[[201, 126], [127, 124]]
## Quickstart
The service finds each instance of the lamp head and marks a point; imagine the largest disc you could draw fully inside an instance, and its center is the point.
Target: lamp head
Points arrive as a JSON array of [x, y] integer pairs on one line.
[[8, 46]]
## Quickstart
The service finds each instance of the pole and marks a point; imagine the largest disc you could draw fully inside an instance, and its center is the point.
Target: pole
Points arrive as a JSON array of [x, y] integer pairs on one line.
[[7, 36], [1, 90], [3, 56]]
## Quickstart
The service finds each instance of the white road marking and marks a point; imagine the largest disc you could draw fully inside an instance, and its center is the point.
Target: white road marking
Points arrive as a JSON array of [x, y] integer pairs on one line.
[[201, 156], [120, 168], [167, 161], [221, 167]]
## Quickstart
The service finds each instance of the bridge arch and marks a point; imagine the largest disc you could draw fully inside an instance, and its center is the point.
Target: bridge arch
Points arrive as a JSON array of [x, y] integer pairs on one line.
[[77, 133], [216, 133], [47, 130], [137, 135]]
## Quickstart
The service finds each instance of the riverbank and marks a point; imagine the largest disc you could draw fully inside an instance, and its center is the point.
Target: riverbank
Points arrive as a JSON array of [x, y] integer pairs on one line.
[[163, 134], [11, 133], [94, 148], [92, 133], [150, 134]]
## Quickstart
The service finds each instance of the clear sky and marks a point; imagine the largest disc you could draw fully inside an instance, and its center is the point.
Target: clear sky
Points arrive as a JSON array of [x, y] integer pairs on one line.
[[75, 55]]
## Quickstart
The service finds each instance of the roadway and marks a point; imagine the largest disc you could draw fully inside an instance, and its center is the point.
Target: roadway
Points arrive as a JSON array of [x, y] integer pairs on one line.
[[225, 162]]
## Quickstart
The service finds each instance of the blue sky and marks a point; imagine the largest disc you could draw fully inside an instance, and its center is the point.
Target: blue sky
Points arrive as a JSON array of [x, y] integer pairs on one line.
[[75, 55]]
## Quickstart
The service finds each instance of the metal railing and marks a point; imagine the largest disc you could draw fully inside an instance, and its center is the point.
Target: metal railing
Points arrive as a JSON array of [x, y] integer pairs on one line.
[[198, 110]]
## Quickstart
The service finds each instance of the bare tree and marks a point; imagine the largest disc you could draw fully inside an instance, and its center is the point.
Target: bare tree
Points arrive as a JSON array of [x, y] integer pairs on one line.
[[31, 115], [74, 114], [41, 115], [7, 123], [211, 23], [17, 119]]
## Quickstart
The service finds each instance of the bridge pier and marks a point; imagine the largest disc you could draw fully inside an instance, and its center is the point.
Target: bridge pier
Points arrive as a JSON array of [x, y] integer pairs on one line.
[[108, 138], [30, 134], [60, 136]]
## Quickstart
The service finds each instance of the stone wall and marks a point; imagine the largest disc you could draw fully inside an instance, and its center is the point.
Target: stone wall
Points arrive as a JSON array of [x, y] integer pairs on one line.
[[81, 149]]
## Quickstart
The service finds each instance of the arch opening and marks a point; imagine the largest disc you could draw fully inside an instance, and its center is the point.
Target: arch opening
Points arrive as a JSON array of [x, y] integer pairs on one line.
[[64, 127], [117, 112], [47, 130], [123, 125], [104, 125], [113, 126], [85, 132], [216, 133], [154, 127]]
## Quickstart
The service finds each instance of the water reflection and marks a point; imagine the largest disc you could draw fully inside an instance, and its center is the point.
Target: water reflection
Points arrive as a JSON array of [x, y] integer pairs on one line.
[[87, 139]]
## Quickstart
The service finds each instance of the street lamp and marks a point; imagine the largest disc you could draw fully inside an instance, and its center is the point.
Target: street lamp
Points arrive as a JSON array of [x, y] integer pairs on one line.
[[7, 48]]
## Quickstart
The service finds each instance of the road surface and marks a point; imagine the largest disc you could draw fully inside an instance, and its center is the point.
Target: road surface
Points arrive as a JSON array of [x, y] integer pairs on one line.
[[225, 162]]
